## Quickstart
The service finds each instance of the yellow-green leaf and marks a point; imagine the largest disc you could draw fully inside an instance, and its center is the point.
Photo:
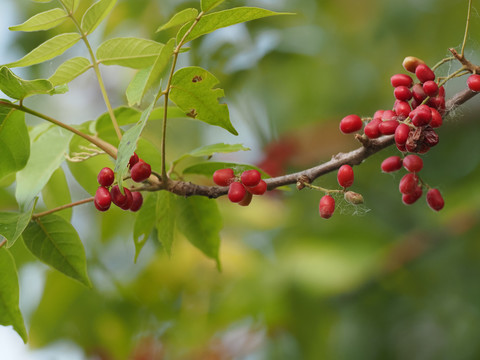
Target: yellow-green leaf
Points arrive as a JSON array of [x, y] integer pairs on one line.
[[42, 21], [69, 70], [95, 15], [17, 88], [180, 18]]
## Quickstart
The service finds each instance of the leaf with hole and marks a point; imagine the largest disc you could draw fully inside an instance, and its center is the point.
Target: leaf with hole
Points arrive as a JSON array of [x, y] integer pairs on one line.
[[53, 240]]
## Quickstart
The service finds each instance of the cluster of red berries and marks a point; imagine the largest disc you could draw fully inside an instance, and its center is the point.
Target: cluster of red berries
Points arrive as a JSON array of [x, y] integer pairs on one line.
[[345, 178], [416, 113], [106, 193], [241, 189]]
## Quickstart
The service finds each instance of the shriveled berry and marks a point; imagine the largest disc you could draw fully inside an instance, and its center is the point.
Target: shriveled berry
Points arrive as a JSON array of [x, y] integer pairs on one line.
[[326, 206], [410, 63], [353, 197], [413, 163], [430, 137], [141, 171], [401, 80], [137, 201], [236, 192], [102, 199], [106, 177], [430, 88], [424, 73], [258, 189], [118, 198], [409, 199], [129, 201], [392, 163], [345, 176], [371, 129], [350, 124], [388, 127], [402, 93], [408, 183], [223, 177], [435, 199], [251, 177], [247, 199], [133, 160], [401, 134]]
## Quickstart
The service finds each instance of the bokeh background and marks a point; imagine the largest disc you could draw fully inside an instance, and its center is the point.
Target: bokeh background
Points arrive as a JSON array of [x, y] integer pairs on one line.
[[384, 281]]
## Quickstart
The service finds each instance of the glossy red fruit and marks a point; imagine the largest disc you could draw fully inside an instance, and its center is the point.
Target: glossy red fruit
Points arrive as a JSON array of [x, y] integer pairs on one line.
[[118, 198], [137, 201], [409, 199], [350, 124], [413, 163], [251, 177], [106, 177], [430, 88], [326, 207], [436, 118], [473, 82], [102, 199], [424, 73], [392, 163], [133, 160], [389, 115], [435, 199], [247, 199], [402, 93], [388, 127], [345, 176], [141, 171], [223, 177], [401, 134], [371, 129], [236, 192], [421, 116], [408, 183], [258, 189], [401, 80], [418, 93], [402, 109], [129, 201]]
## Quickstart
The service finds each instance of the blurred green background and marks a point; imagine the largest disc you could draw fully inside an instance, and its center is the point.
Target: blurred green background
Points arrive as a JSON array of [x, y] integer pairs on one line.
[[386, 281]]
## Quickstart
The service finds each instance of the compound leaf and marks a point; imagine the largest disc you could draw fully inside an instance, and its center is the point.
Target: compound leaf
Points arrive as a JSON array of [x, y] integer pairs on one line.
[[130, 52], [42, 21], [17, 88], [9, 295], [69, 70], [53, 240], [48, 50], [180, 18], [95, 15], [192, 91]]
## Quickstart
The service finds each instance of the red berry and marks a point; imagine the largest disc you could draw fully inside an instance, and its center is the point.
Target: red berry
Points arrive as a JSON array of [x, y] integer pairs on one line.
[[129, 201], [371, 129], [133, 160], [409, 199], [389, 115], [140, 171], [402, 93], [137, 201], [223, 177], [388, 127], [437, 102], [413, 163], [392, 163], [430, 88], [236, 192], [401, 134], [435, 199], [258, 189], [421, 116], [106, 177], [102, 199], [326, 206], [408, 183], [402, 109], [418, 93], [378, 114], [424, 73], [345, 176], [118, 198], [401, 80], [350, 124], [247, 199], [251, 177], [436, 118], [473, 82]]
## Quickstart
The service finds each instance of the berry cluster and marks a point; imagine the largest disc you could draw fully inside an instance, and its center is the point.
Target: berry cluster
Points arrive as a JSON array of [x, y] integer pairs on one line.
[[106, 193], [241, 189], [417, 112]]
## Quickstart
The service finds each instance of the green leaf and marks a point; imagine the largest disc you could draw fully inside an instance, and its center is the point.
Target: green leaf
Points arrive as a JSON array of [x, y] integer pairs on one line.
[[128, 144], [12, 224], [224, 18], [210, 150], [200, 221], [192, 91], [180, 18], [95, 15], [71, 5], [166, 215], [9, 295], [130, 52], [53, 240], [207, 5], [69, 70], [57, 193], [136, 90], [144, 222], [42, 1], [42, 21], [17, 88], [14, 141], [209, 167], [48, 50], [47, 153]]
